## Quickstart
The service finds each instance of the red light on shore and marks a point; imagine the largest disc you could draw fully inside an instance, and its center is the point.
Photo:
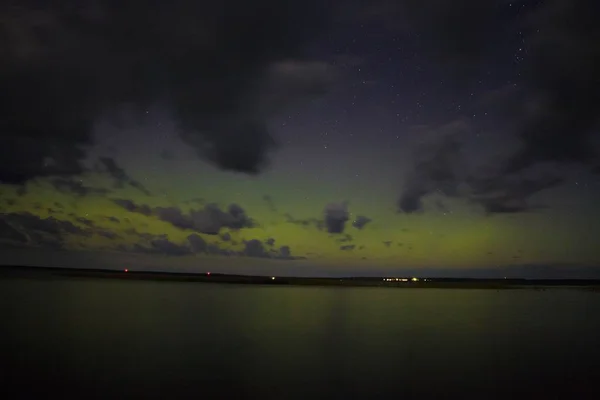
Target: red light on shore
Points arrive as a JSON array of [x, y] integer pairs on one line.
[[126, 270], [208, 273]]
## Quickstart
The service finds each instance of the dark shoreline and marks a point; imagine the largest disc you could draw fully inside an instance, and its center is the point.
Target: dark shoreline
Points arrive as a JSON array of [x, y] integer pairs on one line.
[[439, 283]]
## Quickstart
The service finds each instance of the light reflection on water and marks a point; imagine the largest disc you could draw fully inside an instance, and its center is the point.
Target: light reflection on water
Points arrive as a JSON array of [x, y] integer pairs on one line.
[[104, 338]]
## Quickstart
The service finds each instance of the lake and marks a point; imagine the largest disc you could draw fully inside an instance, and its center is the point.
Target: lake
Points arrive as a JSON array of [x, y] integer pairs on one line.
[[95, 338]]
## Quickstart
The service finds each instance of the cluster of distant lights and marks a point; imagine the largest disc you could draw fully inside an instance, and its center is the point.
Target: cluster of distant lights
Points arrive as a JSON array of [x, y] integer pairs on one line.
[[384, 279], [402, 280]]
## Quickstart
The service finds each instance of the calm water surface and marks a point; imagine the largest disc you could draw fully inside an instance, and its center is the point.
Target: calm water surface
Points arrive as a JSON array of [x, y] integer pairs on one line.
[[124, 339]]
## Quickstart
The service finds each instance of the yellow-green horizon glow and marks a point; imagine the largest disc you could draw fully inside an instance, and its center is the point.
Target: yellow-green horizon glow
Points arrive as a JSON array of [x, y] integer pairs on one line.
[[463, 238]]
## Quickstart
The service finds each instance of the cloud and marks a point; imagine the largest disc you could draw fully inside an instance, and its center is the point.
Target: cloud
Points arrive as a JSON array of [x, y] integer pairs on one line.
[[505, 195], [107, 234], [12, 235], [71, 185], [175, 217], [255, 248], [270, 203], [37, 231], [345, 238], [158, 245], [439, 169], [437, 166], [226, 237], [290, 81], [144, 235], [552, 109], [562, 109], [336, 215], [197, 243], [285, 252], [65, 66], [85, 221], [209, 220], [130, 206], [307, 222], [119, 175], [165, 246], [361, 221]]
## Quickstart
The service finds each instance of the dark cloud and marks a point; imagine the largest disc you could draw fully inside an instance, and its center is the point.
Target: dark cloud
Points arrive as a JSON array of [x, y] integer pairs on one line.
[[8, 232], [167, 247], [197, 243], [307, 222], [130, 206], [285, 252], [144, 235], [157, 244], [347, 247], [209, 220], [345, 238], [213, 249], [255, 248], [107, 234], [226, 237], [504, 195], [439, 169], [85, 221], [562, 106], [72, 185], [558, 107], [50, 232], [175, 217], [120, 177], [336, 215], [438, 166], [270, 203], [361, 221], [65, 65], [553, 110], [441, 207]]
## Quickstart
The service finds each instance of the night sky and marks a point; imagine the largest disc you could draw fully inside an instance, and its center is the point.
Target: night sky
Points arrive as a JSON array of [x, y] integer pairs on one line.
[[302, 137]]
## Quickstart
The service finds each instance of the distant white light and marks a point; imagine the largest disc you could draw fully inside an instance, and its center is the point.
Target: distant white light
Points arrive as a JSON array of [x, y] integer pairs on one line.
[[273, 278]]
